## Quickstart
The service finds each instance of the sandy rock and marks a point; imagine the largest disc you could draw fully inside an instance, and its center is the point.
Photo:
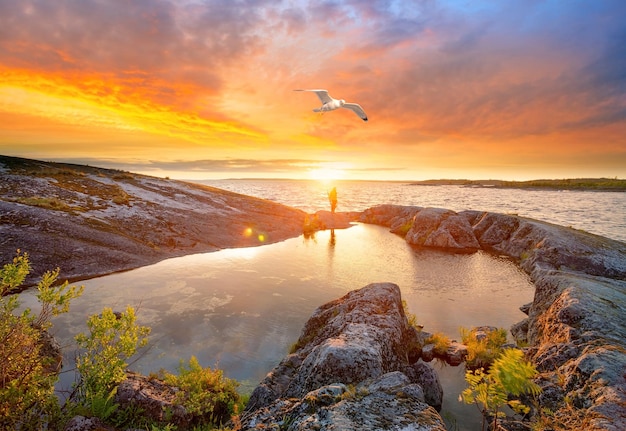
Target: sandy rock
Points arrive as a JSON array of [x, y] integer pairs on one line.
[[392, 216], [428, 227]]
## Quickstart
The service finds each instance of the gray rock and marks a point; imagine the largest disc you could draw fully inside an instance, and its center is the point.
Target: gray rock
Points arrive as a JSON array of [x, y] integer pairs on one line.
[[426, 377], [82, 423], [441, 228], [456, 353], [390, 402], [154, 398], [428, 352], [350, 370]]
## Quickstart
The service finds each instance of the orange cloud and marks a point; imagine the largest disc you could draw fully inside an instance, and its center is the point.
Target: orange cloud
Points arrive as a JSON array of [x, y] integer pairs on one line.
[[448, 86]]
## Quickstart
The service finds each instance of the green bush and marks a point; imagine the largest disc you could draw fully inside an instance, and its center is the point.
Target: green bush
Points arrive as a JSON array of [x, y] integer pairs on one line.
[[509, 376], [204, 392], [27, 371], [113, 338]]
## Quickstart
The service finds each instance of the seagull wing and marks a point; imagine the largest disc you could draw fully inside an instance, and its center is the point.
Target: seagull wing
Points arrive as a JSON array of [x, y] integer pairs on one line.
[[322, 94], [356, 108]]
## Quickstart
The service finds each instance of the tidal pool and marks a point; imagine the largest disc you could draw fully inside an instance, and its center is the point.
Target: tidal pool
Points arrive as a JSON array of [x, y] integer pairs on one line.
[[241, 309]]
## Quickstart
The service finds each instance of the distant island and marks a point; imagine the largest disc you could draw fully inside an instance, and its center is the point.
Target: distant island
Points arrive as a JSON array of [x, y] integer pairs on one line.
[[598, 184]]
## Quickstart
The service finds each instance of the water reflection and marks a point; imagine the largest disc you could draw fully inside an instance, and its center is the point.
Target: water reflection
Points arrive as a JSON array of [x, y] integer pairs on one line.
[[241, 309]]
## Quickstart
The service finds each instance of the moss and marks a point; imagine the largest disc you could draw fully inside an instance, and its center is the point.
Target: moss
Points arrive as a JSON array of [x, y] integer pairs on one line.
[[405, 228], [47, 203]]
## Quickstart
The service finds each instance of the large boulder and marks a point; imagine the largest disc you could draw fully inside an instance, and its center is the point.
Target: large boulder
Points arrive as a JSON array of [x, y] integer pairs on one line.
[[351, 370]]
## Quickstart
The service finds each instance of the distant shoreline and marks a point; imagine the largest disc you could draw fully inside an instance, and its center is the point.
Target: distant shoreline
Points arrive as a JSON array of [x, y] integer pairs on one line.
[[581, 184]]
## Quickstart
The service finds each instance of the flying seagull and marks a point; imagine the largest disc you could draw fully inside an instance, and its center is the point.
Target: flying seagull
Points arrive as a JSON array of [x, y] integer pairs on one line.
[[330, 104]]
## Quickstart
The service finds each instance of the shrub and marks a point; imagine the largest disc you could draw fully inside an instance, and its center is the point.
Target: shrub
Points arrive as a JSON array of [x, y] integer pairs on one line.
[[27, 372], [113, 338], [312, 224], [204, 392], [509, 376]]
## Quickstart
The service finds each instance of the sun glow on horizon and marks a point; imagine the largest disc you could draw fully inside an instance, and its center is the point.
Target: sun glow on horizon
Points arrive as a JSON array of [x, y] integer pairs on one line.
[[327, 174]]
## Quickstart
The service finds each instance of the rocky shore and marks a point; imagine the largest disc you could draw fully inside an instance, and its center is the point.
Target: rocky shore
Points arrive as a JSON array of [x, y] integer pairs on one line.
[[91, 221], [575, 330], [352, 367]]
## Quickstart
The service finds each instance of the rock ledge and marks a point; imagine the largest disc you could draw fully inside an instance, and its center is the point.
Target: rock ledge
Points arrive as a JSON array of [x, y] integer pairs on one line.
[[351, 370]]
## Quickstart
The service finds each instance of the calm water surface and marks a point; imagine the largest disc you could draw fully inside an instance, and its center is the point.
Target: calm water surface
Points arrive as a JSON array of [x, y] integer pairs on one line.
[[241, 309]]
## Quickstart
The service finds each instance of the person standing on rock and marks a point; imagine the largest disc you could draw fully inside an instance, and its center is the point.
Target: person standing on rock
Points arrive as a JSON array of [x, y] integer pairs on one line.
[[332, 197]]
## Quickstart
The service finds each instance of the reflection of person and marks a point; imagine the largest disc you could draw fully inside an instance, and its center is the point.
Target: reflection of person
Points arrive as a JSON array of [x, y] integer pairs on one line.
[[332, 197]]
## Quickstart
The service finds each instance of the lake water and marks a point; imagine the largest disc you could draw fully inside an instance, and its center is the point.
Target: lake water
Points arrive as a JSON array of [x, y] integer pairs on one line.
[[241, 309], [602, 213]]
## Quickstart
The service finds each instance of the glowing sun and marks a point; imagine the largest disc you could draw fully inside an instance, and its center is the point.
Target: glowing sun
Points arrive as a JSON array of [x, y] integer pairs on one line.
[[326, 174]]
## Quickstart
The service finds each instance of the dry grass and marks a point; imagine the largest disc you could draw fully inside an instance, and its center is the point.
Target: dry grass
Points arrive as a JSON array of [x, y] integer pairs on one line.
[[441, 342]]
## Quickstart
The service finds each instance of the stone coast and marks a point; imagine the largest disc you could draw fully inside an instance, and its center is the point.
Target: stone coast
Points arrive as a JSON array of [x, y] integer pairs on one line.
[[575, 330], [92, 221]]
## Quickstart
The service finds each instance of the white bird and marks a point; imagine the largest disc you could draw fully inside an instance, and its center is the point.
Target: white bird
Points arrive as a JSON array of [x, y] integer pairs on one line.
[[330, 104]]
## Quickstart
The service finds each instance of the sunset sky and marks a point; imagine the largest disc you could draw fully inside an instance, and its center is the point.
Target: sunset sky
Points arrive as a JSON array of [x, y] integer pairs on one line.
[[191, 89]]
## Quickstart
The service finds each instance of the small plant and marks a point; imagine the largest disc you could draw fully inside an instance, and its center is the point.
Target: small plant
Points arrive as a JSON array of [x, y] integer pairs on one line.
[[355, 393], [481, 352], [113, 338], [410, 317], [205, 392], [312, 224], [510, 375], [441, 342], [103, 407]]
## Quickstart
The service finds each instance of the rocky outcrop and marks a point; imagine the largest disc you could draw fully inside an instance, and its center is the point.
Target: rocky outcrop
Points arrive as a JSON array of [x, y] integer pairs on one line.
[[91, 221], [154, 398], [350, 369], [575, 327]]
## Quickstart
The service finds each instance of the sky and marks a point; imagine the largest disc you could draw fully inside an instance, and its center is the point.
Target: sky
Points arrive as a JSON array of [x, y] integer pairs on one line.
[[193, 89]]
